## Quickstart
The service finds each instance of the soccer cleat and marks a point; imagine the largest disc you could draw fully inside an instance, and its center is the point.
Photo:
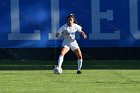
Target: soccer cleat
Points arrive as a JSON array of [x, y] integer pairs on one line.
[[79, 72]]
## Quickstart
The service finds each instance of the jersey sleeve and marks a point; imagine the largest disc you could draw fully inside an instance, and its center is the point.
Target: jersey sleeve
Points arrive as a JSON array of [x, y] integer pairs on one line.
[[60, 30], [79, 28]]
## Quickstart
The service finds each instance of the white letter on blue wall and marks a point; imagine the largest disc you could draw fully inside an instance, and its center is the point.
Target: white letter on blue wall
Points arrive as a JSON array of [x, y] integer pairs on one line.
[[134, 19], [96, 17], [54, 19], [15, 25]]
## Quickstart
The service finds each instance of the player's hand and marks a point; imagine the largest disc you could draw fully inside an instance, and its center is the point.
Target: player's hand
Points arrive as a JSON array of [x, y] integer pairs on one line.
[[85, 36], [57, 34]]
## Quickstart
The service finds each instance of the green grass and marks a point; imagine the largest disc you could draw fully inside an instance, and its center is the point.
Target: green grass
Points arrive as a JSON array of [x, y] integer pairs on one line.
[[98, 76], [91, 81]]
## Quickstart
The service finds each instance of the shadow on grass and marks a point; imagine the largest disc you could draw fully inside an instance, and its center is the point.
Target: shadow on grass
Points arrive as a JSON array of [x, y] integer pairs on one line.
[[49, 65]]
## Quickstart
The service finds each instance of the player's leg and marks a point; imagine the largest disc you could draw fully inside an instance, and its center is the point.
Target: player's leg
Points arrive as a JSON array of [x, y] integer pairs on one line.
[[80, 59], [63, 51]]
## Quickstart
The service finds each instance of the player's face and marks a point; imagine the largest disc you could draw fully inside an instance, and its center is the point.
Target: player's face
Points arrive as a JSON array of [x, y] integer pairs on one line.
[[70, 20]]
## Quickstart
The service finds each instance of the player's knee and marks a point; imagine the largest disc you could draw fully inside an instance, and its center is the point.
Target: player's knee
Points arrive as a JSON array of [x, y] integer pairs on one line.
[[62, 54], [79, 57]]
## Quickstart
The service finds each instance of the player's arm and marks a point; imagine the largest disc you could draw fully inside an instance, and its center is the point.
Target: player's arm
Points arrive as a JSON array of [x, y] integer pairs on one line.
[[60, 31], [57, 34], [79, 29], [83, 34]]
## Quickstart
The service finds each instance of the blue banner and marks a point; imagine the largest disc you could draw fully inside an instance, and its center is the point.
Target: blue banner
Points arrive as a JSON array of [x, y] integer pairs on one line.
[[33, 23]]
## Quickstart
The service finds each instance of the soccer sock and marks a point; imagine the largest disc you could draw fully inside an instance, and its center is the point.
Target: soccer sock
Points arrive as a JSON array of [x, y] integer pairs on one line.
[[79, 62], [60, 61]]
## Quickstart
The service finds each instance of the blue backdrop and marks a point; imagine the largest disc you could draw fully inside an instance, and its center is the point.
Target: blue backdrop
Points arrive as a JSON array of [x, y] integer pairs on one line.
[[33, 23]]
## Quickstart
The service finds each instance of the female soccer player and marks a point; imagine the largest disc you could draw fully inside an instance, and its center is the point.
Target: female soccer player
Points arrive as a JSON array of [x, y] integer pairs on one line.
[[68, 31]]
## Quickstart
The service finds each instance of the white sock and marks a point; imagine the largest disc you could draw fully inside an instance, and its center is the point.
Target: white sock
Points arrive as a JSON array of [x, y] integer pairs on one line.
[[79, 62], [60, 61]]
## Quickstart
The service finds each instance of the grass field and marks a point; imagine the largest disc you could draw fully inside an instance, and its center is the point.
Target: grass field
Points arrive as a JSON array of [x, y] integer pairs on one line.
[[20, 77]]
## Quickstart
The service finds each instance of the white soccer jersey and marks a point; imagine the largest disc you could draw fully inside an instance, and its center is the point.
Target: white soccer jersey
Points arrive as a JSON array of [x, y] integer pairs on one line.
[[68, 33]]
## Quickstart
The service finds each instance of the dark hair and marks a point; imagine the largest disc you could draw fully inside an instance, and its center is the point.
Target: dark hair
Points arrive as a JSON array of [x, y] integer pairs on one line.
[[73, 16]]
